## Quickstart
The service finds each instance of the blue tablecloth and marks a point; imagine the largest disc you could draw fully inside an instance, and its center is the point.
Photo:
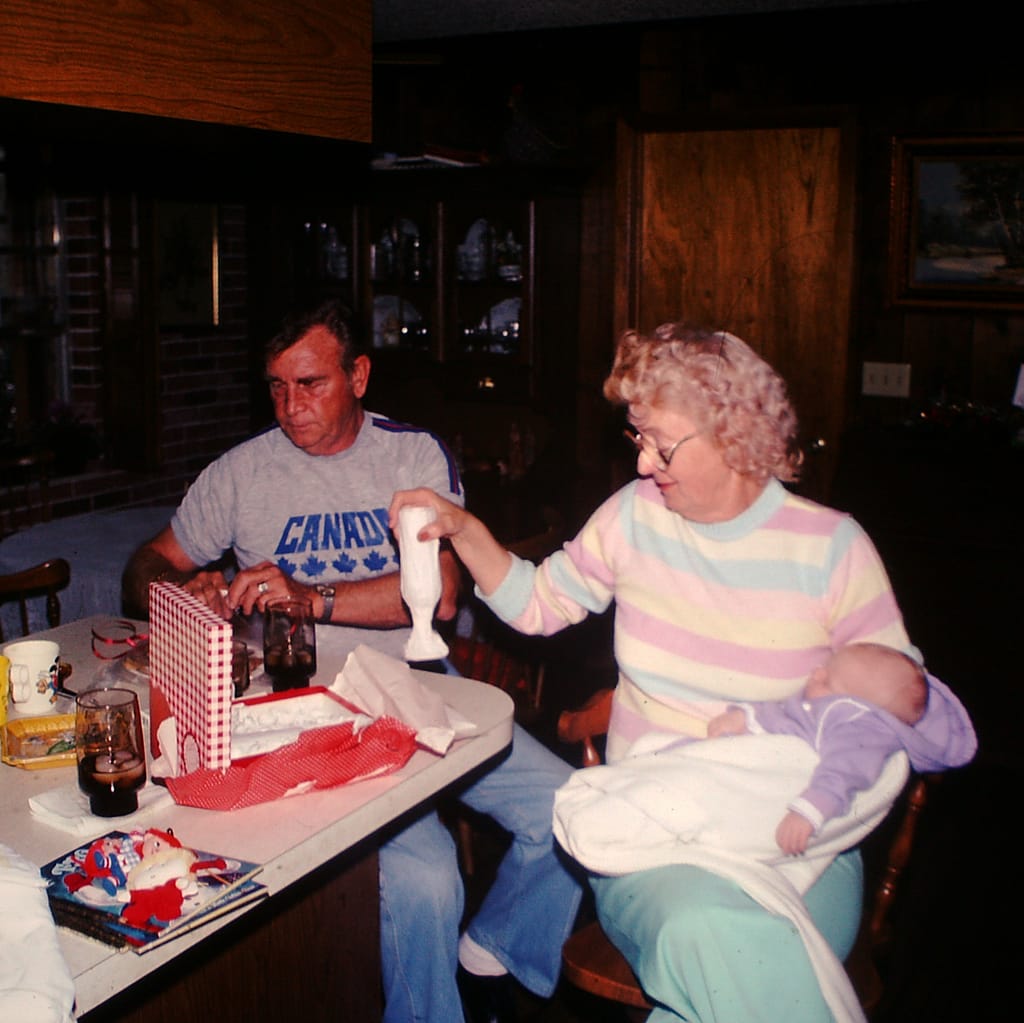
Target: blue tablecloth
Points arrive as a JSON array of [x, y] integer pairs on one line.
[[97, 545]]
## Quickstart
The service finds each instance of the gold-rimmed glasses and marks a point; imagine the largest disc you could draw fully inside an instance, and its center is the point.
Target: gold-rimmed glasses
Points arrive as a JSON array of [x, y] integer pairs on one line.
[[660, 458]]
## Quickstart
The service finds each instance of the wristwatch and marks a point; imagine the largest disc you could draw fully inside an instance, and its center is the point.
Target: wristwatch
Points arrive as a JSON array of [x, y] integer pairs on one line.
[[327, 592]]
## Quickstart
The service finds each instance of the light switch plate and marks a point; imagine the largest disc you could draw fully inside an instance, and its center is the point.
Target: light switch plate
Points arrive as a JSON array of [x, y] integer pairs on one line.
[[886, 379]]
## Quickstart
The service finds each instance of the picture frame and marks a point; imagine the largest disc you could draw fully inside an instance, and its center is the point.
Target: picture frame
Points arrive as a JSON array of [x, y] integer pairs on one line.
[[187, 264], [956, 231]]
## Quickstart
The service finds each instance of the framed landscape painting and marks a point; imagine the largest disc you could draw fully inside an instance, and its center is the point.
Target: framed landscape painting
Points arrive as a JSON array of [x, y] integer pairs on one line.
[[957, 221]]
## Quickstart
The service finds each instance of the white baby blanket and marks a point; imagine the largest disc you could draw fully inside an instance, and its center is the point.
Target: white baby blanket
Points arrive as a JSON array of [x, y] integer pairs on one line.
[[716, 804]]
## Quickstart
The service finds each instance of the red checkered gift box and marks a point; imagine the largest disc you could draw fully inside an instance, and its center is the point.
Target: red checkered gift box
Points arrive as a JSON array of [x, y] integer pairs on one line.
[[190, 676]]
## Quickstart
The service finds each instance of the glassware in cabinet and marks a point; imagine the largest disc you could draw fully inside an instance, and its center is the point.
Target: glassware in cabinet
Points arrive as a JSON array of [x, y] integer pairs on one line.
[[401, 288], [489, 254]]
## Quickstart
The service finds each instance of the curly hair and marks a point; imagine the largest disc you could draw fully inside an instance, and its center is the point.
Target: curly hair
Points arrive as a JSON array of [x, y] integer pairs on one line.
[[722, 383]]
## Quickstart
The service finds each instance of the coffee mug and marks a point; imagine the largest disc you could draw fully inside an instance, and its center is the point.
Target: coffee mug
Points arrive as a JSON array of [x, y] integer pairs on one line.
[[33, 675]]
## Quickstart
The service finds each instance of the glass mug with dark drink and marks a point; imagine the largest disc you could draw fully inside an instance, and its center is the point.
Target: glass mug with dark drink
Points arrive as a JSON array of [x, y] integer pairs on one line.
[[289, 643], [111, 756]]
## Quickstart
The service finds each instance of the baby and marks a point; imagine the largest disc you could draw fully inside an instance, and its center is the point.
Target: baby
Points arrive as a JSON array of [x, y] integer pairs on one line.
[[856, 709]]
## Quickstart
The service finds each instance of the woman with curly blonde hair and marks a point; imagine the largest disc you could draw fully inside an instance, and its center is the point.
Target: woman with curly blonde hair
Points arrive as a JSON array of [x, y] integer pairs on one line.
[[727, 587], [745, 407]]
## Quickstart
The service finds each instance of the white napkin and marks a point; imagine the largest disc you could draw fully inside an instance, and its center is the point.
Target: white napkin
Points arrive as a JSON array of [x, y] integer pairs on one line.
[[67, 808], [378, 684], [35, 982]]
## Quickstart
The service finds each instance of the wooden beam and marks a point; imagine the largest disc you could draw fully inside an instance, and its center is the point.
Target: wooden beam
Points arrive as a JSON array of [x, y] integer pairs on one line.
[[297, 66]]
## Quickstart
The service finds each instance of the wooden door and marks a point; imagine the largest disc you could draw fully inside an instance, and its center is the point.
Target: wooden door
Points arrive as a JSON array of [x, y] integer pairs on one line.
[[750, 231]]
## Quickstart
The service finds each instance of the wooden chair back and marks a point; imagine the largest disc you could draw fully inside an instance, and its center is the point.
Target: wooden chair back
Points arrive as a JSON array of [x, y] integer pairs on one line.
[[24, 491], [594, 964], [482, 659], [46, 580]]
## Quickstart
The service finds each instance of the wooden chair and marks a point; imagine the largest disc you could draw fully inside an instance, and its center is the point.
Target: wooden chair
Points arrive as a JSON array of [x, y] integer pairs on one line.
[[486, 660], [594, 964], [41, 580], [24, 491]]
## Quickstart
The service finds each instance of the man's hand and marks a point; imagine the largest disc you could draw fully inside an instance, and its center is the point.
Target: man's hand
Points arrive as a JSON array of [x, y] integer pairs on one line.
[[793, 833], [211, 588], [253, 587]]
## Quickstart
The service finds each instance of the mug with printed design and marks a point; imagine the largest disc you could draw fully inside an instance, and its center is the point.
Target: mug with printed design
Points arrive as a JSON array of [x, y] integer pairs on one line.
[[33, 672]]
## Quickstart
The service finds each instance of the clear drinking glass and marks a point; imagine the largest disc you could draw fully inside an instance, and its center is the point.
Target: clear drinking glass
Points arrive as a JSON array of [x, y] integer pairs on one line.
[[289, 643], [111, 755]]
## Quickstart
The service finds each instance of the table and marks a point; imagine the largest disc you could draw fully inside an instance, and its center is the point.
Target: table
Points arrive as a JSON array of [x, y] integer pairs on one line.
[[308, 948], [97, 545]]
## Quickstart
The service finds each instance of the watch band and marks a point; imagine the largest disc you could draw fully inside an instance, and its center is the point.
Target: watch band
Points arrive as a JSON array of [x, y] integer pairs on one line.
[[327, 592]]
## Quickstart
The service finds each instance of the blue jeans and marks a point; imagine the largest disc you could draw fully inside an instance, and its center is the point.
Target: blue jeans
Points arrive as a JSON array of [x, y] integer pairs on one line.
[[706, 952], [525, 917]]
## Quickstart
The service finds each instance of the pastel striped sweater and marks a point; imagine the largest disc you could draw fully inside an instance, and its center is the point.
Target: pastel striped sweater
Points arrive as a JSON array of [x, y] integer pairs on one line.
[[706, 614]]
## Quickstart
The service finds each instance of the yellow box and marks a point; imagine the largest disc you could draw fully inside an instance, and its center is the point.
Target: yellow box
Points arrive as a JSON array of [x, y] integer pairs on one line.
[[35, 743]]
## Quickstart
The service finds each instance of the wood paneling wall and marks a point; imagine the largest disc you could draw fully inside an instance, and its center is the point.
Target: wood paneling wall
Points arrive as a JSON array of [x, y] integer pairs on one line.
[[299, 66], [749, 231]]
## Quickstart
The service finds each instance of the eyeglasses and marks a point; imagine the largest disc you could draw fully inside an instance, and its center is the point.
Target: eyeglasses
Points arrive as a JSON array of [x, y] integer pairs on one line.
[[660, 458]]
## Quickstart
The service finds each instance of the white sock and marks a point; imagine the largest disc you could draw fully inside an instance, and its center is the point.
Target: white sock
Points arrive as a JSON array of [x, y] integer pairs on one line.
[[476, 959]]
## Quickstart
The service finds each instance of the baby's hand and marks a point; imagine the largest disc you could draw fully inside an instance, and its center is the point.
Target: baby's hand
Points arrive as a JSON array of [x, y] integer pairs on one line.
[[793, 833], [730, 722]]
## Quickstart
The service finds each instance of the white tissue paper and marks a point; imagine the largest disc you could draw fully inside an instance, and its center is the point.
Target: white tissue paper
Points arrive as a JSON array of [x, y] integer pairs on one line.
[[262, 727], [420, 583], [378, 684]]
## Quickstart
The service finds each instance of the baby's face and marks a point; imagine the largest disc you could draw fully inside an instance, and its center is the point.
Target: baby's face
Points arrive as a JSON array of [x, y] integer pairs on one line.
[[847, 673], [858, 672]]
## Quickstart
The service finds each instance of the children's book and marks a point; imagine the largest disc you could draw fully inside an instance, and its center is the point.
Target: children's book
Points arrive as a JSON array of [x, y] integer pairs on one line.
[[140, 889]]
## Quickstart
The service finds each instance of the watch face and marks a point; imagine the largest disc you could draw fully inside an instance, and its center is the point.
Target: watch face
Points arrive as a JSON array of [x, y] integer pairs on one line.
[[325, 591]]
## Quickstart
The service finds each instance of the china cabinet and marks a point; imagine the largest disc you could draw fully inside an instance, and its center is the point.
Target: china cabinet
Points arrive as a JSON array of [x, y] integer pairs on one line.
[[452, 280], [470, 301], [464, 283]]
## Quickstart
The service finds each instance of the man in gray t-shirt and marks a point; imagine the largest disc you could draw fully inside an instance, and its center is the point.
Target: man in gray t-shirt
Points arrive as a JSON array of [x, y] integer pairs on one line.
[[303, 507]]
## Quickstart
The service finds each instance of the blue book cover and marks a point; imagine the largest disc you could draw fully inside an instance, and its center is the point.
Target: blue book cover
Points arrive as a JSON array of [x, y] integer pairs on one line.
[[141, 888]]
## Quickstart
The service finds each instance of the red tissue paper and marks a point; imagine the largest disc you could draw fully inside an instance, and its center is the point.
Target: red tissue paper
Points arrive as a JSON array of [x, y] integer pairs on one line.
[[320, 758]]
